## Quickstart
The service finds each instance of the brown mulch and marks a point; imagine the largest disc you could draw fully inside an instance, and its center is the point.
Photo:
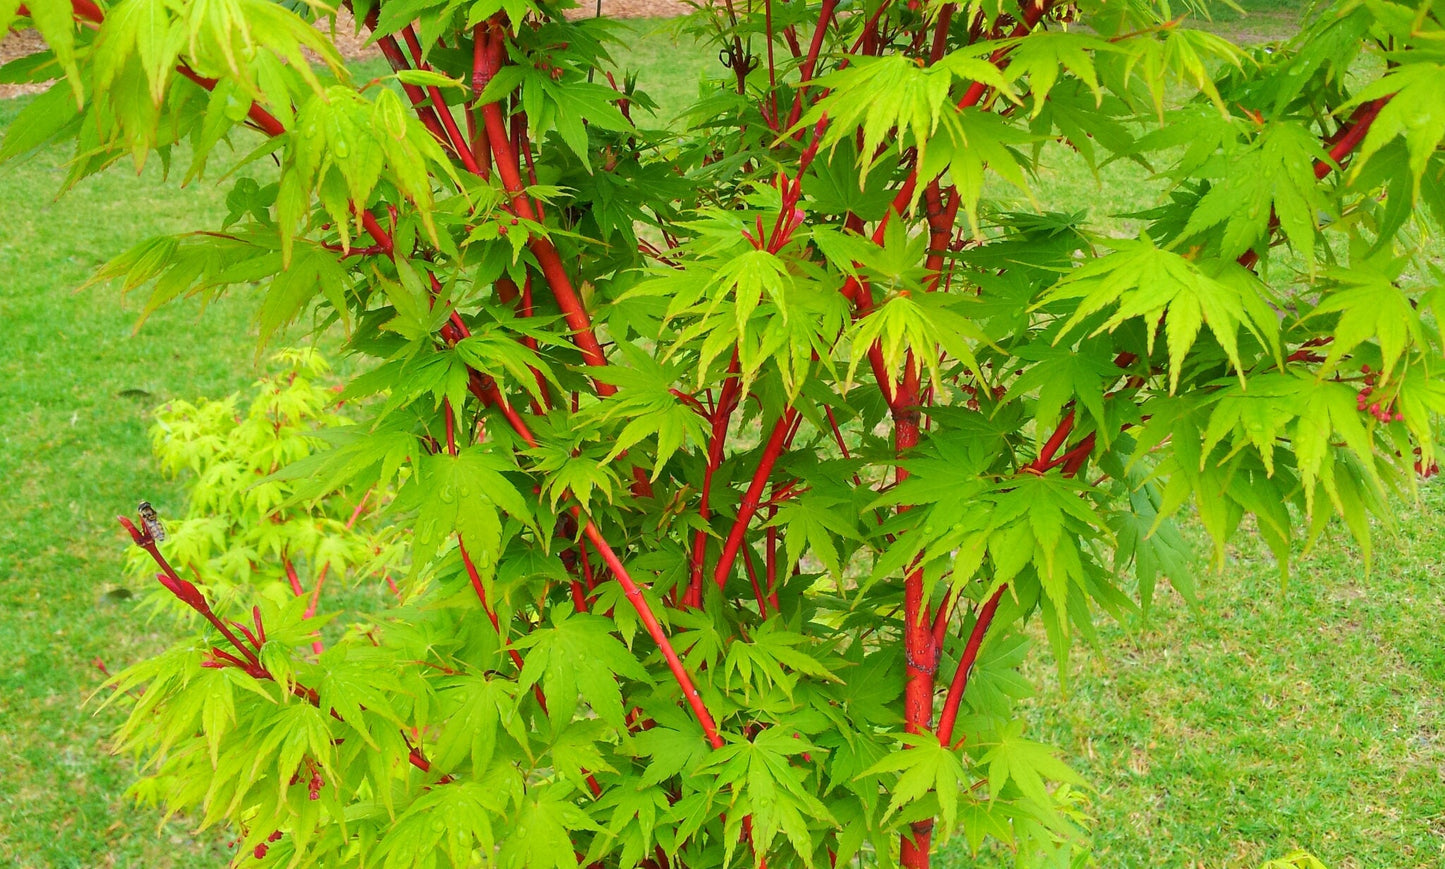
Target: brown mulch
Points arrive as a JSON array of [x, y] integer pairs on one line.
[[17, 45], [351, 45]]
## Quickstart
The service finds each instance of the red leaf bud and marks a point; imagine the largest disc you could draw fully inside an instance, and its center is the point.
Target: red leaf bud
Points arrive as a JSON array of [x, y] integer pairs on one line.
[[185, 592]]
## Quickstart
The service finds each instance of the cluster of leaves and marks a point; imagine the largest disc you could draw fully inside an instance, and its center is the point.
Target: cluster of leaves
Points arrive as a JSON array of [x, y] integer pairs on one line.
[[243, 531], [733, 459]]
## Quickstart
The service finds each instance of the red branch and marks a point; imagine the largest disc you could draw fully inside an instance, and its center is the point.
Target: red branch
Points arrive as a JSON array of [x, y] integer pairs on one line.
[[191, 596], [753, 497], [949, 715], [659, 636], [717, 441], [490, 53]]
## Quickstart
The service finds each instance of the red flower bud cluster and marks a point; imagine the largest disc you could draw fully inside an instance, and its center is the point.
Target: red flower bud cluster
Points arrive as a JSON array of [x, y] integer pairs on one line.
[[1384, 413]]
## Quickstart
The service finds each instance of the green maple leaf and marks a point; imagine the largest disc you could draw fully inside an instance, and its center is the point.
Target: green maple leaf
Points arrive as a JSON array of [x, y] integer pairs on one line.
[[542, 831], [1370, 306], [483, 707], [452, 820], [672, 751], [1273, 177], [771, 788], [579, 655], [1416, 111], [1061, 374], [926, 766], [1026, 764], [1148, 282], [465, 495], [812, 522]]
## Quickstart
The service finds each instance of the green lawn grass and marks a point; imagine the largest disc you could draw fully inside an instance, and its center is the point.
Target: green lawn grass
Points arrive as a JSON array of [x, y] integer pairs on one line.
[[76, 386], [1307, 715], [1278, 716]]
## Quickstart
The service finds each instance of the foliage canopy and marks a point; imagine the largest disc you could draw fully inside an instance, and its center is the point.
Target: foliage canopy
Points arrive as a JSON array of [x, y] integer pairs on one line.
[[698, 482]]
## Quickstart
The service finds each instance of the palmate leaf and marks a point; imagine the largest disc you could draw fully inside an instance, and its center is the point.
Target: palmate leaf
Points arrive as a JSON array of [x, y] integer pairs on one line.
[[1063, 374], [1159, 286], [645, 398], [579, 472], [977, 142], [995, 683], [766, 784], [356, 687], [762, 658], [635, 811], [812, 521], [466, 495], [1372, 307], [55, 20], [478, 708], [1416, 111], [916, 323], [1046, 54], [927, 767], [893, 95], [1328, 423], [831, 186], [1151, 542], [378, 455], [672, 751], [579, 655], [541, 834], [1256, 416], [1177, 54], [1026, 764], [1274, 177], [1042, 520], [448, 822]]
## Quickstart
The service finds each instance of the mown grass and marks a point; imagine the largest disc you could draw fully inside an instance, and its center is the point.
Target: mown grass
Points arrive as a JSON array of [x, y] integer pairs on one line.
[[1305, 715], [76, 386], [1276, 716]]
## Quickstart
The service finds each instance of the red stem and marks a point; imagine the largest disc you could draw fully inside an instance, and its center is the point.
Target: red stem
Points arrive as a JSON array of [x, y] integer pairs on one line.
[[476, 579], [184, 590], [490, 56], [292, 578], [810, 63], [749, 506], [1056, 440], [948, 717], [659, 636], [758, 594], [772, 115], [491, 395], [721, 417], [940, 33]]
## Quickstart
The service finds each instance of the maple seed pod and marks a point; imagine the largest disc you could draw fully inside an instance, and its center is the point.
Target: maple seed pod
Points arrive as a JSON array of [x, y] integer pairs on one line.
[[260, 852]]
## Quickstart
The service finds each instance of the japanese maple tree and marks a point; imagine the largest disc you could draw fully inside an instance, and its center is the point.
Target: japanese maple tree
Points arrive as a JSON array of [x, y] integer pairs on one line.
[[700, 480]]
